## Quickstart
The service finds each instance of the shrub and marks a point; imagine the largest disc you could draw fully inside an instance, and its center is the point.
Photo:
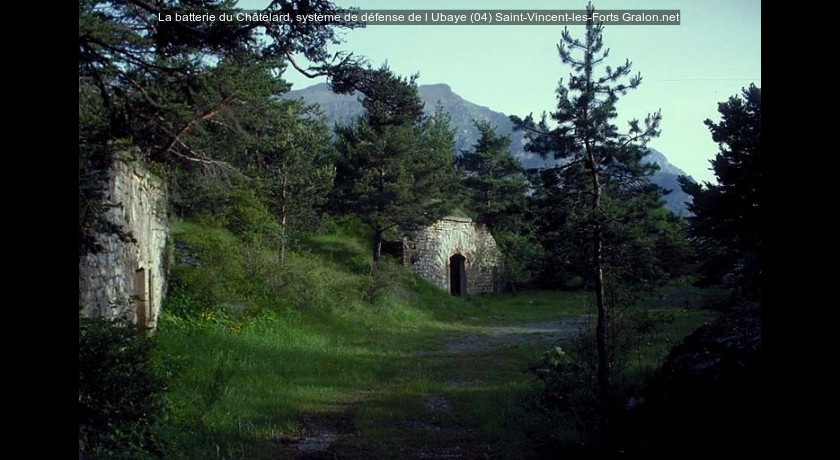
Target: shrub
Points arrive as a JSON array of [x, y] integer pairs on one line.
[[569, 398], [574, 283], [564, 415], [236, 207], [121, 404], [214, 270]]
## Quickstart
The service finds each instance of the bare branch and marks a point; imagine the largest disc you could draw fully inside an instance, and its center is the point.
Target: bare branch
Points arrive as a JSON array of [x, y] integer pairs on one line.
[[565, 166], [189, 125], [300, 69], [201, 158]]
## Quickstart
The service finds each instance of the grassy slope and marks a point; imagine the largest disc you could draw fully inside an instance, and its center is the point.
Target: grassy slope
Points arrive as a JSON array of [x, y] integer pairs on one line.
[[255, 351]]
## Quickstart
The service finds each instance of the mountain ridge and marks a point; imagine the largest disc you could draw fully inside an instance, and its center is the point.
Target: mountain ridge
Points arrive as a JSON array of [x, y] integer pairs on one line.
[[344, 109]]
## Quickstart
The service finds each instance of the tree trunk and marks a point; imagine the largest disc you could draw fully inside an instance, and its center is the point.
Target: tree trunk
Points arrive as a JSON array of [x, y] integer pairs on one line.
[[283, 240], [601, 326], [283, 225], [377, 247], [600, 296]]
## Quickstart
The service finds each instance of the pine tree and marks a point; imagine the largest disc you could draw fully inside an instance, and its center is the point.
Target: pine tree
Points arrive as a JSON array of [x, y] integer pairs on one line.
[[292, 162], [495, 183], [727, 216], [600, 166], [494, 180], [166, 90], [394, 166]]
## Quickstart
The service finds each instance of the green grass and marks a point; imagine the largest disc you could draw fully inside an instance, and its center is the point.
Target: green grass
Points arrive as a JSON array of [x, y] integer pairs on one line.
[[676, 311], [254, 350]]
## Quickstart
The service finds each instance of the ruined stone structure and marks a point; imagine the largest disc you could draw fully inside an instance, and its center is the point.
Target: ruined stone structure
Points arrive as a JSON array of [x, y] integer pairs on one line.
[[455, 254], [127, 278]]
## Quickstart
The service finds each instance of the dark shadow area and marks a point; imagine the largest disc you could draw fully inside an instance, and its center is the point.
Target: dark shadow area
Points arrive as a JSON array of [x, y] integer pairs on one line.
[[457, 275], [706, 398]]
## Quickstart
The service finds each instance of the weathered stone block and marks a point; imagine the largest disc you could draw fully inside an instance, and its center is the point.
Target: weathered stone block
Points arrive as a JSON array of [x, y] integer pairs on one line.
[[455, 254], [109, 284]]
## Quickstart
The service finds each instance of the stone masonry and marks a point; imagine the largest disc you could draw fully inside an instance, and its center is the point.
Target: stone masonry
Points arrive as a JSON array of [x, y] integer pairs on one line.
[[430, 253], [127, 279]]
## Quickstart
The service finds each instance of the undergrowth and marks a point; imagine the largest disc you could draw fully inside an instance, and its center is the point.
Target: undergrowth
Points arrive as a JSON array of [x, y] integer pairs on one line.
[[251, 348]]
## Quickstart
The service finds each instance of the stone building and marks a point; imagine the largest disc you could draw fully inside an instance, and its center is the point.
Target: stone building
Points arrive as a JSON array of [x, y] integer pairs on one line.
[[455, 254], [128, 278]]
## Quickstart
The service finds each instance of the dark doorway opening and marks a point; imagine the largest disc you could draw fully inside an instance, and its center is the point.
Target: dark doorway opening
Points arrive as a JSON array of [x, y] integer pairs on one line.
[[457, 275], [141, 306]]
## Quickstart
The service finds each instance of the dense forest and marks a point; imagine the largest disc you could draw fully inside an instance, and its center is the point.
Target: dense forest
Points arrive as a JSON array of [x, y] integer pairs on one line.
[[277, 228]]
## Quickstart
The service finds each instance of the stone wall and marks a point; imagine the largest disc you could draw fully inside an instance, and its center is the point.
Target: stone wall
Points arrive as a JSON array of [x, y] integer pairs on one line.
[[128, 279], [429, 252]]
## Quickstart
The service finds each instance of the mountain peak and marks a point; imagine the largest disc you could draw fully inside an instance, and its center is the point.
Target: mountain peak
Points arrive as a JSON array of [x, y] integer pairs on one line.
[[441, 87], [659, 159], [434, 88], [438, 92]]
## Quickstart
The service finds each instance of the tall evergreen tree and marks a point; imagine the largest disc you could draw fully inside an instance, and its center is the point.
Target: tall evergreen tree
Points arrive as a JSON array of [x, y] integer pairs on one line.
[[155, 81], [161, 88], [494, 180], [600, 166], [279, 151], [394, 170], [290, 158], [727, 215], [496, 188]]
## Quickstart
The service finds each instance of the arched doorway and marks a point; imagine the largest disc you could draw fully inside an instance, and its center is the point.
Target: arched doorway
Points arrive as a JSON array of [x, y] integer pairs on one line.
[[457, 275]]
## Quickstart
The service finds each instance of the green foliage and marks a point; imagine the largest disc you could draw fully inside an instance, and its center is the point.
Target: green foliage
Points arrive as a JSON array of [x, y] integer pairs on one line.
[[436, 162], [258, 341], [230, 282], [644, 244], [566, 382], [375, 174], [565, 409], [708, 388], [637, 344], [494, 180], [234, 205], [495, 186], [602, 171], [281, 154], [727, 216], [574, 283], [257, 354], [122, 411], [382, 281], [394, 172], [596, 214], [221, 281], [213, 390], [521, 254], [390, 100], [218, 277], [196, 97], [347, 226], [157, 81]]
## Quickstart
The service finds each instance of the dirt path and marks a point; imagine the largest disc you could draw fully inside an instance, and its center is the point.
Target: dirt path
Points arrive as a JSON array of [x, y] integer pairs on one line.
[[438, 427], [531, 333]]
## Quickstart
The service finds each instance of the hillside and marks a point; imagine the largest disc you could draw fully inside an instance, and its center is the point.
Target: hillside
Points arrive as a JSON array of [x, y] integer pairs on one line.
[[324, 358], [343, 109]]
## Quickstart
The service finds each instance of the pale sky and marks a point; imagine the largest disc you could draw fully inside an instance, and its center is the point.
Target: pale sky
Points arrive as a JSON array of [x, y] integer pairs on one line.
[[686, 69]]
